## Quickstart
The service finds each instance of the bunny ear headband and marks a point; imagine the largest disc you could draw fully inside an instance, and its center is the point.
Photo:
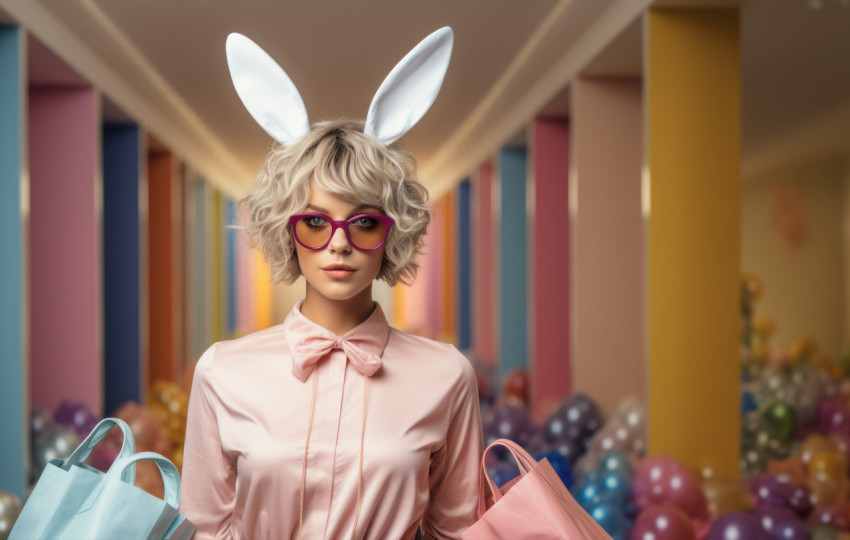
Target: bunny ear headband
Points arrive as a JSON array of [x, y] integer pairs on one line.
[[402, 99]]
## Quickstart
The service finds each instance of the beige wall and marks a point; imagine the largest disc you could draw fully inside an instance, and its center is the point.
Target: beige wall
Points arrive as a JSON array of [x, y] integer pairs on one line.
[[285, 297], [607, 251], [805, 285]]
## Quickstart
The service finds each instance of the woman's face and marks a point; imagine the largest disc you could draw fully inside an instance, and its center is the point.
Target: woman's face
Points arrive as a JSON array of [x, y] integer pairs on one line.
[[338, 271]]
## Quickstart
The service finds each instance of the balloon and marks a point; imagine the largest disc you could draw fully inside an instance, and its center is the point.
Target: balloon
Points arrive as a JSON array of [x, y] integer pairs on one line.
[[737, 526], [146, 431], [725, 496], [41, 420], [610, 517], [52, 444], [78, 416], [769, 491], [753, 460], [836, 516], [789, 530], [567, 448], [576, 418], [589, 490], [842, 442], [662, 522], [616, 461], [617, 486], [823, 533], [663, 480], [828, 477], [748, 403], [771, 516], [10, 507], [781, 419], [801, 501], [586, 464], [788, 471], [502, 473], [516, 383], [834, 416], [813, 444], [559, 464]]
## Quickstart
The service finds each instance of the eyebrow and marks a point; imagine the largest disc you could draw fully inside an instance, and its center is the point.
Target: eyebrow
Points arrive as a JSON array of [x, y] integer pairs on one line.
[[353, 212]]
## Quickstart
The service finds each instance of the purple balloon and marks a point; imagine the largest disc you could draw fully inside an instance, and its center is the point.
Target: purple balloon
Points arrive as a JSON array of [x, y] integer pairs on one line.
[[800, 501], [576, 419], [834, 417], [78, 416], [769, 491], [737, 526], [509, 422], [772, 516], [790, 530]]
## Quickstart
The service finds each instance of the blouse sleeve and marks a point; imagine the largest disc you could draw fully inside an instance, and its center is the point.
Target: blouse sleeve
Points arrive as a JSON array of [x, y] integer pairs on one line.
[[208, 484], [453, 501]]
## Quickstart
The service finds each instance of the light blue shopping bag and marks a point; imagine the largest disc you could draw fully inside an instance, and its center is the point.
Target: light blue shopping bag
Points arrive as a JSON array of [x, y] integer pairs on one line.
[[64, 482], [105, 506]]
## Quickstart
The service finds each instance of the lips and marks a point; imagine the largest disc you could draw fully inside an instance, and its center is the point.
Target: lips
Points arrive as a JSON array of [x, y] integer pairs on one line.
[[338, 271], [338, 267]]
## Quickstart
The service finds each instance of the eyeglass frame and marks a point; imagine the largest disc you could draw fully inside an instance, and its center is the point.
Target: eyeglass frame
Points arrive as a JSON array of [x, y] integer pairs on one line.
[[343, 224]]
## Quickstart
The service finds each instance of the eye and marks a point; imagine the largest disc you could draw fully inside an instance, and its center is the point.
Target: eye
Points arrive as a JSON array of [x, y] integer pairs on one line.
[[366, 223], [315, 222]]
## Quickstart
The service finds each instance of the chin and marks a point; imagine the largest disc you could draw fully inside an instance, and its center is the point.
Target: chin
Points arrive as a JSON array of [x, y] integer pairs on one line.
[[340, 291]]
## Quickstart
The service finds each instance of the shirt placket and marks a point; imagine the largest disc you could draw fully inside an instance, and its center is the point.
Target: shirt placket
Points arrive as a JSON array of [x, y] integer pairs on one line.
[[331, 397]]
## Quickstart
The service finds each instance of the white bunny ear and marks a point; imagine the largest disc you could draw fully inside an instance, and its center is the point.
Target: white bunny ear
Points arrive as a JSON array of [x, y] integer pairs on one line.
[[411, 88], [266, 90]]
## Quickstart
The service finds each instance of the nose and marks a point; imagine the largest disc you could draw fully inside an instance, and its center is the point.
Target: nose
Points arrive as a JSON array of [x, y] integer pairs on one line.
[[339, 242]]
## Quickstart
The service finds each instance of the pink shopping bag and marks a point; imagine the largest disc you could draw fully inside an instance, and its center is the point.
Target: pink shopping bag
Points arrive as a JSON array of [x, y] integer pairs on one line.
[[535, 505]]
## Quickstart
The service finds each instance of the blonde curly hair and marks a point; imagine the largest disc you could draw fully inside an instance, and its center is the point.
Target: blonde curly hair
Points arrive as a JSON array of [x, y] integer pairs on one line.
[[342, 160]]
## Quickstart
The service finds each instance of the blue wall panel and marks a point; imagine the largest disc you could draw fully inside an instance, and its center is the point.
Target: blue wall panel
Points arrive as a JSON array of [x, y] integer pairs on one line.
[[464, 259], [14, 410], [512, 261], [122, 369], [230, 261]]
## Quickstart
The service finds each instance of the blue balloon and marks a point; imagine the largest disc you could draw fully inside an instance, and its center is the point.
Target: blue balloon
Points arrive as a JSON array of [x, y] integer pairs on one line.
[[559, 464], [618, 489], [748, 402], [615, 461], [588, 492], [610, 518], [502, 473]]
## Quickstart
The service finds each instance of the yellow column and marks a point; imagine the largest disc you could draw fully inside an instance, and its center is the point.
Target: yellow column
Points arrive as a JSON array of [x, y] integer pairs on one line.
[[692, 203]]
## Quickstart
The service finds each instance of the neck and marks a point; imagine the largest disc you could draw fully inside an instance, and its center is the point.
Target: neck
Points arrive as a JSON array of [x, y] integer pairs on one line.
[[338, 316]]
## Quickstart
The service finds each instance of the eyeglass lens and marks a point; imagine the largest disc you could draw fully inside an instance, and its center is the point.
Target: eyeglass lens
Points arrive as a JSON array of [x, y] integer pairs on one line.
[[365, 232]]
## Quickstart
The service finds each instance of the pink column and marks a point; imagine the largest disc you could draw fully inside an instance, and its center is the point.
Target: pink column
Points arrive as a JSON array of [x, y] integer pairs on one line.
[[434, 249], [483, 266], [245, 318], [64, 247], [550, 264]]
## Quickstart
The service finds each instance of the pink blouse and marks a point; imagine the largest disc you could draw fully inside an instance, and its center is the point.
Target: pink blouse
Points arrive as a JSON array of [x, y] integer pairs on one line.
[[409, 403]]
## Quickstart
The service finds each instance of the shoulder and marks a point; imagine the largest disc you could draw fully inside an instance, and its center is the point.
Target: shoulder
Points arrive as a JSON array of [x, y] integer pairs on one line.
[[440, 358], [224, 356]]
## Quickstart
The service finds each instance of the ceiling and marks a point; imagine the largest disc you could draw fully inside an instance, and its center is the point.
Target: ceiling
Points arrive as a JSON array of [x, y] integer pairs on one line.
[[162, 61]]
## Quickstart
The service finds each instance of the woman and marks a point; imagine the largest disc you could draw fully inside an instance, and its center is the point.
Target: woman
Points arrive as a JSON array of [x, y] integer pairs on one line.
[[332, 424]]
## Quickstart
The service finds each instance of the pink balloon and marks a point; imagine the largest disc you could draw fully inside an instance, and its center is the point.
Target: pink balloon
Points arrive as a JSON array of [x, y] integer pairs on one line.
[[662, 522], [663, 480]]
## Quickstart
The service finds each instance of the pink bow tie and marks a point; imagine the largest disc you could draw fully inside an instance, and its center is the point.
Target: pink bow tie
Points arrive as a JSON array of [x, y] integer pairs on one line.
[[309, 342], [309, 350]]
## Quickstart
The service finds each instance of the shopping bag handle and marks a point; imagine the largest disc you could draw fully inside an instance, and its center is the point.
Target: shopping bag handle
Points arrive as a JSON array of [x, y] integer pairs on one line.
[[128, 447], [170, 478], [524, 462]]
